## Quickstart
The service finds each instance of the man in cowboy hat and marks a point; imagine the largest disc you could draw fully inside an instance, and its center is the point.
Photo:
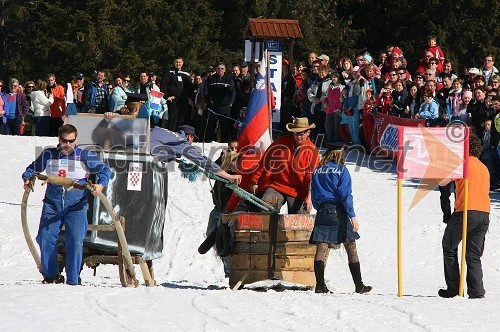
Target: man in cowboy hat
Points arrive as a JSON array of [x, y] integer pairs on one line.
[[287, 166]]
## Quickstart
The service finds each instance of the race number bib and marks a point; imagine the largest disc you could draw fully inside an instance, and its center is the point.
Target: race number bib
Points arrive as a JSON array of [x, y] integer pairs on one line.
[[66, 168]]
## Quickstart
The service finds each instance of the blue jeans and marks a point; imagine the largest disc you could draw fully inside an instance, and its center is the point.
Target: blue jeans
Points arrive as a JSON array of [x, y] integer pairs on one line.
[[51, 223]]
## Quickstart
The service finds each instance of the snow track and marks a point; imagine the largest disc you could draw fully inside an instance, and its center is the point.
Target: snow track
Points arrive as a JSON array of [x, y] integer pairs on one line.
[[193, 296]]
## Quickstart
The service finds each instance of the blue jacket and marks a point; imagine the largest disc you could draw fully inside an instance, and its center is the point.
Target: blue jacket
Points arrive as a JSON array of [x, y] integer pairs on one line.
[[57, 196], [167, 145], [89, 96], [429, 110], [332, 183]]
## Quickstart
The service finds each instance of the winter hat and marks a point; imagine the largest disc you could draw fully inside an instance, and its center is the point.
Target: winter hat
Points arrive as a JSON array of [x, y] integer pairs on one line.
[[370, 91], [368, 57], [397, 50], [467, 94], [474, 71]]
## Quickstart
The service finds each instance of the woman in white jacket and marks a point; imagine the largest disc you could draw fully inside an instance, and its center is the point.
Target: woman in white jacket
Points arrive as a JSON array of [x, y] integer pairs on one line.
[[41, 100], [316, 94]]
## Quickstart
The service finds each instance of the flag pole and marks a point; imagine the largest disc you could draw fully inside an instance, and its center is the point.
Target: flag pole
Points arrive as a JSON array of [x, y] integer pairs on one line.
[[400, 241], [463, 270], [268, 87], [400, 171], [464, 240]]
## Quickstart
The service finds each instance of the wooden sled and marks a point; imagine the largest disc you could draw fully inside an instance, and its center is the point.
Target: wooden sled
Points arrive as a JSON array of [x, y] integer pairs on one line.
[[271, 246]]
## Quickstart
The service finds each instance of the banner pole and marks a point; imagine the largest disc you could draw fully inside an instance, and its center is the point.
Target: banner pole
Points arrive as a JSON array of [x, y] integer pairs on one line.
[[400, 241], [463, 270], [268, 88]]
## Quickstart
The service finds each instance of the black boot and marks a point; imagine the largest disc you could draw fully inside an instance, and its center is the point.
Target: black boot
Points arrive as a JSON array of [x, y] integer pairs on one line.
[[57, 280], [319, 272], [356, 277]]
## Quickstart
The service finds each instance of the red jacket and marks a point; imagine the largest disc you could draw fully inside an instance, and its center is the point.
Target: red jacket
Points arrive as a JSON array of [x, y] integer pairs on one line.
[[58, 108], [289, 172]]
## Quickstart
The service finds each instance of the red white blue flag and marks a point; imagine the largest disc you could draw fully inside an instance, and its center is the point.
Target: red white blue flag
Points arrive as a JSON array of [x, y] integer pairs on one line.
[[255, 128], [155, 101]]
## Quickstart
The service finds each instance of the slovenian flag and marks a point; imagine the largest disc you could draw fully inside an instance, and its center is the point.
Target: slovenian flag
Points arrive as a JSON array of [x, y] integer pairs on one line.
[[255, 128], [155, 101]]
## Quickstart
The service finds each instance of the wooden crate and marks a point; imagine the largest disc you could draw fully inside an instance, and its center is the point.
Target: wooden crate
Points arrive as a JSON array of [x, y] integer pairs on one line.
[[280, 252]]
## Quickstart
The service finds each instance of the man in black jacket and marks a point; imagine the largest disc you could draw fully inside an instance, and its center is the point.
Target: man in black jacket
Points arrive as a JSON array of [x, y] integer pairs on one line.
[[178, 89], [220, 94]]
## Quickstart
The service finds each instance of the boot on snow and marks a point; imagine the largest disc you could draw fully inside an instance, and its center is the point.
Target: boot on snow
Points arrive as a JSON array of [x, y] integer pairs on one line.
[[356, 277], [57, 280], [319, 272]]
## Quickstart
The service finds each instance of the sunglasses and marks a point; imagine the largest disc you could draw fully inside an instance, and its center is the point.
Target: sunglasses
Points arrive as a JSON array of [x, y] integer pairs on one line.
[[221, 68], [427, 74], [79, 79], [30, 87], [393, 74], [432, 63], [315, 66], [124, 80], [63, 140], [401, 73], [14, 86], [301, 133]]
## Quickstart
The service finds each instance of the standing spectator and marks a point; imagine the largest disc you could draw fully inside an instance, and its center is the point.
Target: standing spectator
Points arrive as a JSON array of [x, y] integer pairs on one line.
[[478, 111], [316, 94], [412, 102], [80, 79], [153, 79], [42, 99], [429, 109], [436, 51], [489, 70], [311, 58], [245, 75], [178, 89], [333, 109], [96, 95], [18, 108], [335, 223], [4, 111], [368, 118], [288, 165], [119, 94], [58, 107], [447, 69], [287, 93], [477, 227], [65, 207], [399, 95], [220, 95]]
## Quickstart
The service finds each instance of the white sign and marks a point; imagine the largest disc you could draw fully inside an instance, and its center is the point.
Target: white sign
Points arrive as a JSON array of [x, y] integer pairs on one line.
[[275, 72], [248, 51]]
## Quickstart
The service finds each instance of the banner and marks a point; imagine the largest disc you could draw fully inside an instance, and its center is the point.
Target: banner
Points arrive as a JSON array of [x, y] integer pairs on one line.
[[432, 153], [385, 131], [274, 47]]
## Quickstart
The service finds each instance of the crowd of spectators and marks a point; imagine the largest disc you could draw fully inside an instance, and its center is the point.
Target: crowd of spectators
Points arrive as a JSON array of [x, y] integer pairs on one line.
[[341, 97]]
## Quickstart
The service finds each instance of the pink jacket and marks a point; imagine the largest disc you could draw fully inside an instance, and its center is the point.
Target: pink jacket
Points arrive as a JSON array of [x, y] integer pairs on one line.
[[332, 100]]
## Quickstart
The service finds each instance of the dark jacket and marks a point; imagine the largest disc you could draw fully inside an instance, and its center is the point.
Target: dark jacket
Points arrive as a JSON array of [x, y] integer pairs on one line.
[[177, 83], [219, 91]]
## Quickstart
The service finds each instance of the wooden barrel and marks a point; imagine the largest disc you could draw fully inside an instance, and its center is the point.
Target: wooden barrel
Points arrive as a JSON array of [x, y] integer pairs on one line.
[[272, 247]]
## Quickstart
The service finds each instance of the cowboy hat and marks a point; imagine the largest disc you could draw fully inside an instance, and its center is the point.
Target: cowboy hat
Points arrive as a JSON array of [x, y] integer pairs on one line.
[[227, 159], [299, 125]]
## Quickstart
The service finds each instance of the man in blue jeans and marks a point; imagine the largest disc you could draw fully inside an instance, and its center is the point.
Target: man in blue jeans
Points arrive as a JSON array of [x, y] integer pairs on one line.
[[65, 207]]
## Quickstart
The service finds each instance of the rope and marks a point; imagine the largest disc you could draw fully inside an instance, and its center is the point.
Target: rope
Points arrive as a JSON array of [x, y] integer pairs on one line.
[[266, 207]]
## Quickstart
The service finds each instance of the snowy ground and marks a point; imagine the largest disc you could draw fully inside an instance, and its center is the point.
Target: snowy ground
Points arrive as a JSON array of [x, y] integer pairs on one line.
[[192, 293]]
